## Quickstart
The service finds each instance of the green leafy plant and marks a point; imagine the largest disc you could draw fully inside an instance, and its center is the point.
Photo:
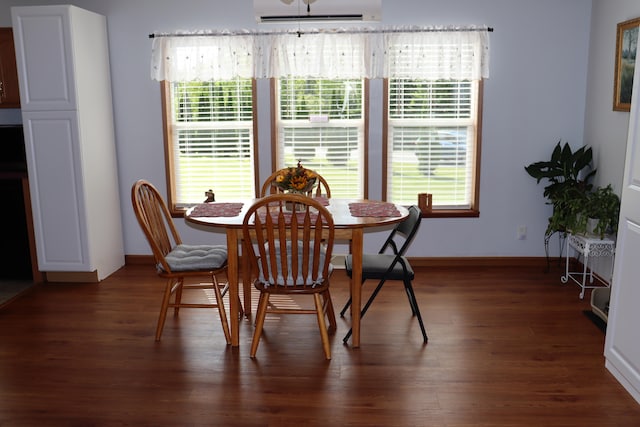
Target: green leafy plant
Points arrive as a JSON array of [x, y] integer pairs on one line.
[[569, 174], [604, 206]]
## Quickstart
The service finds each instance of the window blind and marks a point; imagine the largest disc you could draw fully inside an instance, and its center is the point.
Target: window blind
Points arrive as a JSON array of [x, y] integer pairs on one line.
[[321, 124], [212, 140], [431, 141]]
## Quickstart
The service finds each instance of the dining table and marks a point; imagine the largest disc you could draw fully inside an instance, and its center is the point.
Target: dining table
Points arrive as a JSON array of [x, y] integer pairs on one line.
[[351, 218]]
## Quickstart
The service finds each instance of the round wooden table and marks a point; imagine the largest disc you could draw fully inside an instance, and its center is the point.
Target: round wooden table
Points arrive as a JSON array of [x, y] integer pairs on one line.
[[349, 225]]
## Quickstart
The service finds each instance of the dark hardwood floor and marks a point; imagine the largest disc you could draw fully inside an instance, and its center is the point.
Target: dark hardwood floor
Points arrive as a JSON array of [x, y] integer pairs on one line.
[[507, 347]]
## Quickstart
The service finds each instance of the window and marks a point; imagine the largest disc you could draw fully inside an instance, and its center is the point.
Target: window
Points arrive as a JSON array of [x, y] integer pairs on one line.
[[210, 140], [432, 100], [432, 117], [432, 142], [321, 124]]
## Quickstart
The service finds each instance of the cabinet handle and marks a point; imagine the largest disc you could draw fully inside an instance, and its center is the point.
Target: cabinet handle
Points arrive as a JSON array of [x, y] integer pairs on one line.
[[1, 89]]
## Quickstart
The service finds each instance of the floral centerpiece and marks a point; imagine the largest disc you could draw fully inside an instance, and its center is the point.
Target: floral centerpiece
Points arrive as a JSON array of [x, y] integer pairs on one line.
[[296, 179]]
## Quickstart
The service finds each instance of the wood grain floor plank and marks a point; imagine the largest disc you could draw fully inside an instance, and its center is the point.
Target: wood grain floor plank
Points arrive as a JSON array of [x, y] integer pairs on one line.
[[507, 347]]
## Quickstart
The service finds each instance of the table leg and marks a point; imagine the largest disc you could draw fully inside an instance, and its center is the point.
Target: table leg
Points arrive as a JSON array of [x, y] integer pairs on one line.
[[356, 284], [232, 276]]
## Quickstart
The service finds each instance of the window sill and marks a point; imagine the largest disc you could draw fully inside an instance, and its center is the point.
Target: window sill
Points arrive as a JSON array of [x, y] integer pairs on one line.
[[451, 213], [178, 212]]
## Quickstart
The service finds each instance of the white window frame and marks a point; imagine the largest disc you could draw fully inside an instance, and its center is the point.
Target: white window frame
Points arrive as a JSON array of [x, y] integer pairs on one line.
[[426, 184], [344, 182], [183, 193]]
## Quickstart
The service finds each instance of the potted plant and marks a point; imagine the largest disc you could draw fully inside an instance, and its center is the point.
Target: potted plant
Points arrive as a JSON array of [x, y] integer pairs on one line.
[[569, 174], [603, 209]]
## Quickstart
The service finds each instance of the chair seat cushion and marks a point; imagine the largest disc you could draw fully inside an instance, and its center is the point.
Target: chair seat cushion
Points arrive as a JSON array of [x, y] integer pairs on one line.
[[299, 279], [196, 257], [374, 266]]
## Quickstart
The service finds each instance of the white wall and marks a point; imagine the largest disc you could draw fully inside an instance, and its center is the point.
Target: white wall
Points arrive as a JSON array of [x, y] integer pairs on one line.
[[605, 129], [535, 96]]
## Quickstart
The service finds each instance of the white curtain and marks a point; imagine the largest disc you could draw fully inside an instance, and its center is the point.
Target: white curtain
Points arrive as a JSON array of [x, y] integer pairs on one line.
[[188, 58], [330, 56], [449, 54], [423, 53]]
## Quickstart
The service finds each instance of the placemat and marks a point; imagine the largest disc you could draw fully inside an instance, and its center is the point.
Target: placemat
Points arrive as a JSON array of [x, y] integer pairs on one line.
[[217, 209], [322, 199], [373, 209]]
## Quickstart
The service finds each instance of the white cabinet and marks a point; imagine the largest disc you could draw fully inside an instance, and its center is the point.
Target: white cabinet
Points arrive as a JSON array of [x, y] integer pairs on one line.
[[45, 57], [65, 90]]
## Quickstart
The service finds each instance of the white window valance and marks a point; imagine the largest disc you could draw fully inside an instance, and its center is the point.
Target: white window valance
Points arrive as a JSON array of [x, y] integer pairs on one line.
[[329, 56], [202, 58], [425, 53], [437, 55]]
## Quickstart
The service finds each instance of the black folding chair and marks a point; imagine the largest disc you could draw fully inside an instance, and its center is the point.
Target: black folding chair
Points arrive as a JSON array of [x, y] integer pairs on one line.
[[391, 264]]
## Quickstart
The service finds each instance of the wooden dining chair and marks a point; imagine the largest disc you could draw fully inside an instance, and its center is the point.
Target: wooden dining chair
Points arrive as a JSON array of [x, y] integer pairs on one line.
[[176, 261], [291, 255], [321, 189], [390, 263]]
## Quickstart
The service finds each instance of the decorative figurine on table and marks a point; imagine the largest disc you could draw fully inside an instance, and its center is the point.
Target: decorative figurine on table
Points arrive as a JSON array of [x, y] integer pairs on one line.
[[210, 196], [425, 202]]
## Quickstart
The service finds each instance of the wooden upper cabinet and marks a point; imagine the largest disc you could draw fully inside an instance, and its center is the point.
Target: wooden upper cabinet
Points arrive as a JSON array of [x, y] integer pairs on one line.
[[9, 92]]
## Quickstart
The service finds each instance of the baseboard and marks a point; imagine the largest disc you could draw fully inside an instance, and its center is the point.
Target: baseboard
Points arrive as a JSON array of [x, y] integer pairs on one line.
[[71, 276], [338, 261], [478, 261], [138, 260]]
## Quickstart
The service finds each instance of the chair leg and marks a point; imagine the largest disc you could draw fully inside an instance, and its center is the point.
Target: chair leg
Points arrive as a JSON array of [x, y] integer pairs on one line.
[[241, 311], [375, 292], [328, 309], [347, 336], [366, 307], [246, 285], [413, 302], [221, 310], [260, 315], [326, 345], [260, 297], [372, 297], [224, 291], [164, 307], [178, 296], [346, 306]]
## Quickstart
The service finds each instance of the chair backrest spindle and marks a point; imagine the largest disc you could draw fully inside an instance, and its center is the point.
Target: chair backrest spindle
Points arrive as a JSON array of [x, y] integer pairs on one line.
[[290, 248], [155, 220]]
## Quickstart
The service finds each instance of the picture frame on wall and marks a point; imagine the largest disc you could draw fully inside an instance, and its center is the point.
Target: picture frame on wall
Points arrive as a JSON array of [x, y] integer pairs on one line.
[[626, 48]]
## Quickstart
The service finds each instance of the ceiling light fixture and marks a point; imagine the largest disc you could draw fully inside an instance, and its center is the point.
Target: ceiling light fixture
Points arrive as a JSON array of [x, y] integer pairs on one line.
[[274, 11], [307, 2]]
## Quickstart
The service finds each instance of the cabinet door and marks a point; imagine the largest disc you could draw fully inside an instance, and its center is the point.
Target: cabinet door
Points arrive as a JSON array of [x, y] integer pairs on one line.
[[44, 56], [9, 93], [56, 185]]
